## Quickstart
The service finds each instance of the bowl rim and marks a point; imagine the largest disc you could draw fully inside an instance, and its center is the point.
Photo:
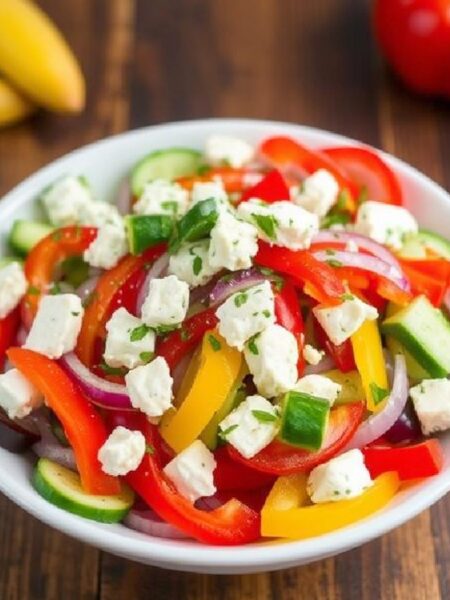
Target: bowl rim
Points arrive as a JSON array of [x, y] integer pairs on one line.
[[188, 554]]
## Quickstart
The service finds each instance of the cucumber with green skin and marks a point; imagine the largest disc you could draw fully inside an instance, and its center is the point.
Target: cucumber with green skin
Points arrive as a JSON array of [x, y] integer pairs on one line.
[[304, 420], [25, 235], [416, 245], [195, 225], [165, 164], [145, 231], [424, 332], [62, 487]]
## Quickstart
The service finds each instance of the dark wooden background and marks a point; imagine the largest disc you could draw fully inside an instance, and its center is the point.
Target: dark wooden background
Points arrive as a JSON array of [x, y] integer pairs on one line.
[[306, 61]]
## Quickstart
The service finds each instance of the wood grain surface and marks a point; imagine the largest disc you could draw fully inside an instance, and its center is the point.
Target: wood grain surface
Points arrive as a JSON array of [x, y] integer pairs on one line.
[[306, 61]]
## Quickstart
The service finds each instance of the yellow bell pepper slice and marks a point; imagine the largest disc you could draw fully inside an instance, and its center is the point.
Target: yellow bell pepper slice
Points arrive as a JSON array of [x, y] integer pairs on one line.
[[370, 362], [351, 386], [219, 366], [301, 522]]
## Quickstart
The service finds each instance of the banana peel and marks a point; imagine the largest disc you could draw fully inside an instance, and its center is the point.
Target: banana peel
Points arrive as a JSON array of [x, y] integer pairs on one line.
[[13, 105], [36, 58]]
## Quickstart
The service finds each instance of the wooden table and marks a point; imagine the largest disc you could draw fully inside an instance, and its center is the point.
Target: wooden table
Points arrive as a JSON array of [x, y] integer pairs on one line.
[[310, 62]]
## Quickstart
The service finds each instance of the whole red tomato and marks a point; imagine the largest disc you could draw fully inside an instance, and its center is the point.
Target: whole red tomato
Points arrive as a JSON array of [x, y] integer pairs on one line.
[[415, 38]]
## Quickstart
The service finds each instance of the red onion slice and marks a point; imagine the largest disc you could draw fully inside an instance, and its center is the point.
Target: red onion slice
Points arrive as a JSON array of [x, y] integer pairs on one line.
[[87, 287], [234, 282], [156, 270], [101, 392], [123, 198], [148, 522], [365, 262], [377, 424], [57, 453], [326, 364]]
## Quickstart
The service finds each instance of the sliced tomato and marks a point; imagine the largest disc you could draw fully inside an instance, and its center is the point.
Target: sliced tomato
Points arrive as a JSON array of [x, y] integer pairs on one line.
[[270, 189], [368, 171], [281, 459]]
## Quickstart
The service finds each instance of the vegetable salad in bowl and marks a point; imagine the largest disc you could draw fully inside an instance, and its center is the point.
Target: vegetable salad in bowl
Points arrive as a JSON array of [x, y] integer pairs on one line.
[[252, 343]]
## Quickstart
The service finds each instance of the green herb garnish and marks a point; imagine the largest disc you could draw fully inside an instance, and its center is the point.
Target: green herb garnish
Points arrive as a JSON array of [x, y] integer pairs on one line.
[[139, 333], [215, 344], [263, 416], [378, 393], [268, 224]]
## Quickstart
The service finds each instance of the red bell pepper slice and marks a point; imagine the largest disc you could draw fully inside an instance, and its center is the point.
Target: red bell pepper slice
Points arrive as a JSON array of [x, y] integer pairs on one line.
[[177, 344], [82, 424], [230, 475], [105, 300], [341, 354], [320, 280], [43, 259], [289, 315], [282, 459], [270, 189], [428, 277], [283, 151], [230, 524], [9, 326], [411, 462], [369, 171]]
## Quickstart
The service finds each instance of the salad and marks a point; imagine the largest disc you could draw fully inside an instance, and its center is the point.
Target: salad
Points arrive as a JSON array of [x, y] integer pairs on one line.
[[252, 342]]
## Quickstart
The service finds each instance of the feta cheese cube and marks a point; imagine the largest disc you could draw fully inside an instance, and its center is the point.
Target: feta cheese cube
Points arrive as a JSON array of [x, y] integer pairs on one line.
[[340, 322], [233, 243], [229, 150], [431, 400], [18, 397], [55, 329], [191, 263], [272, 358], [109, 246], [13, 285], [129, 342], [203, 190], [385, 223], [64, 200], [246, 430], [311, 355], [166, 302], [98, 214], [162, 197], [341, 478], [246, 313], [318, 193], [281, 223], [319, 386], [122, 452], [150, 387], [192, 471]]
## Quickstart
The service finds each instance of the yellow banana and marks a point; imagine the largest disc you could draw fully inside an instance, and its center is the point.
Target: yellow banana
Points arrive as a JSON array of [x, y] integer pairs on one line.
[[13, 106], [36, 58]]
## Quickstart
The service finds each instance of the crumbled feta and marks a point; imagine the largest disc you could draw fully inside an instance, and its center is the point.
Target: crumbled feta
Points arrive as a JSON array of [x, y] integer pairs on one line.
[[98, 214], [18, 397], [311, 355], [150, 387], [109, 246], [233, 243], [319, 386], [203, 190], [351, 246], [341, 321], [166, 302], [272, 358], [162, 197], [229, 150], [431, 400], [341, 478], [55, 328], [192, 471], [13, 285], [244, 314], [191, 263], [281, 223], [318, 193], [385, 223], [65, 199], [122, 452], [251, 426], [129, 342]]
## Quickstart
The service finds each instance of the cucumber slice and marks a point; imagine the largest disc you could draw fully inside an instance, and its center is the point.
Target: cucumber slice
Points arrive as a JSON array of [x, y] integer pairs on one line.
[[165, 164], [413, 368], [26, 234], [62, 487], [352, 389], [145, 231], [304, 420], [425, 333], [415, 245], [195, 225]]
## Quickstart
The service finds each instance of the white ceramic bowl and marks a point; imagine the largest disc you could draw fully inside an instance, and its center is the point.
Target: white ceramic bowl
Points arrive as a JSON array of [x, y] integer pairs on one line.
[[105, 163]]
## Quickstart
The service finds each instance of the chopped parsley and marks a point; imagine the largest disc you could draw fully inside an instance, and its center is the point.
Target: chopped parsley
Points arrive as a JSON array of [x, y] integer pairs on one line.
[[267, 223], [251, 344], [240, 299], [203, 169], [57, 235], [170, 205], [347, 296], [263, 416], [334, 263], [343, 199], [378, 393], [184, 334], [266, 312], [55, 289], [215, 344], [197, 265], [226, 432], [75, 314], [330, 252], [112, 370], [335, 218], [149, 449], [139, 333], [146, 356], [33, 290]]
